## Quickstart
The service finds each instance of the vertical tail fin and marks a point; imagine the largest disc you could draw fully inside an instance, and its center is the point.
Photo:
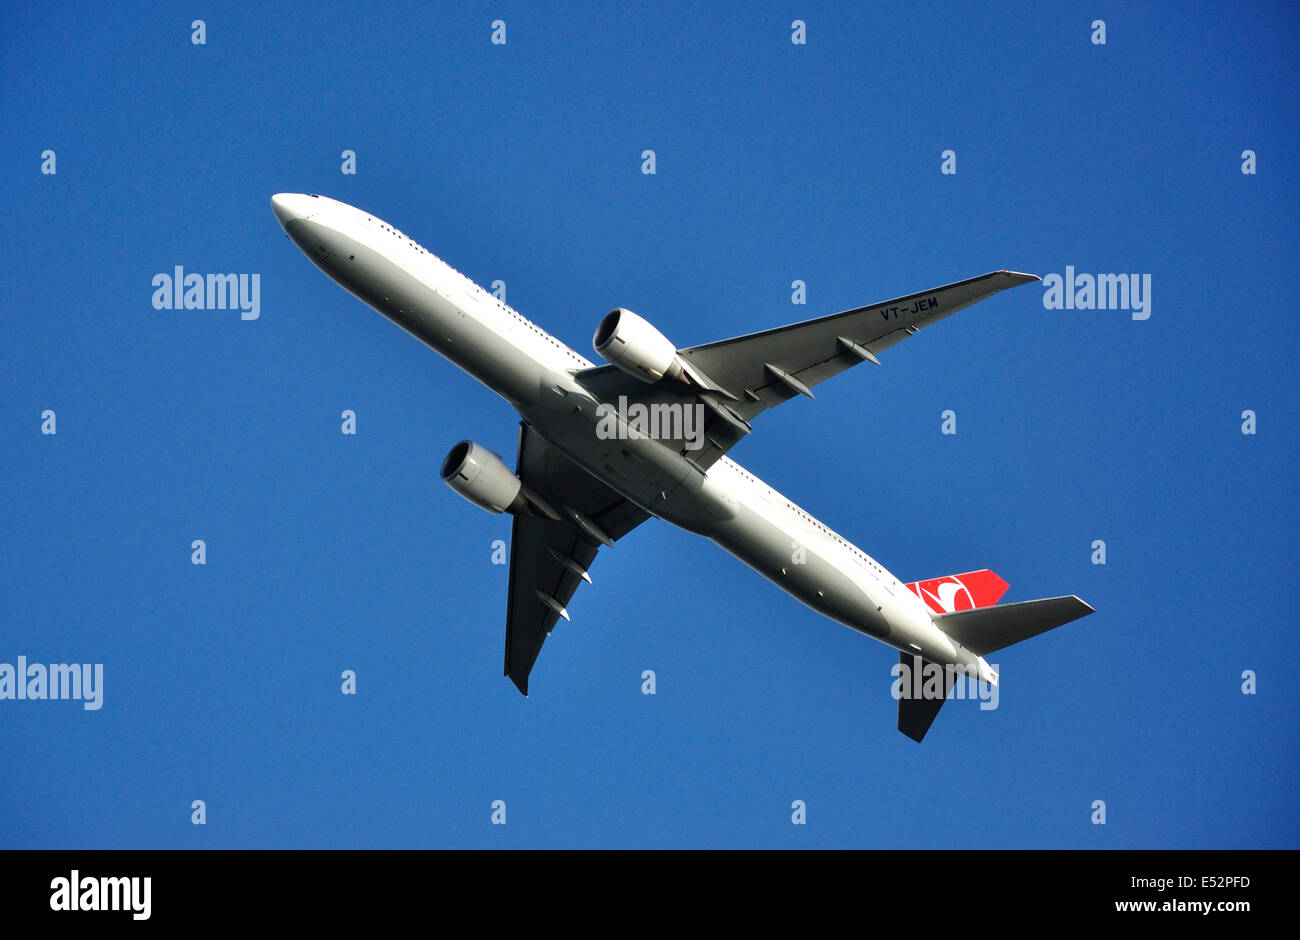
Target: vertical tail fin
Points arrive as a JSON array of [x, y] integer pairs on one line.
[[965, 608], [960, 591]]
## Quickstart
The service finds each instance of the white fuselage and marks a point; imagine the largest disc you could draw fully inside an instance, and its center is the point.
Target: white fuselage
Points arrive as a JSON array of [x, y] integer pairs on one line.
[[536, 374]]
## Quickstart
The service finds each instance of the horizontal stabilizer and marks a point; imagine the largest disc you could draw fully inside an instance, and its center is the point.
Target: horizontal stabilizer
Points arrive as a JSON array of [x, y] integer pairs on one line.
[[916, 714], [988, 629]]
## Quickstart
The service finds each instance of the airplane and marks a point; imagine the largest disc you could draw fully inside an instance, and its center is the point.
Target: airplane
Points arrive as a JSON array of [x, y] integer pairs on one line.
[[592, 466]]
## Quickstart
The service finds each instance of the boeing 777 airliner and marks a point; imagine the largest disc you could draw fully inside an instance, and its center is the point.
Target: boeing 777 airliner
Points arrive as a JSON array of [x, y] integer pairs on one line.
[[592, 466]]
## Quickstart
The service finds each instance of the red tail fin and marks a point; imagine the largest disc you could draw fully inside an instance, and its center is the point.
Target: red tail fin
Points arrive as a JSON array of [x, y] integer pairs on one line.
[[960, 591]]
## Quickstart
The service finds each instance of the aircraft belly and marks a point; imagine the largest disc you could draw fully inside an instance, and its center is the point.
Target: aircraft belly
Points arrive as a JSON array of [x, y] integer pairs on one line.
[[644, 471], [809, 573], [426, 312], [662, 481]]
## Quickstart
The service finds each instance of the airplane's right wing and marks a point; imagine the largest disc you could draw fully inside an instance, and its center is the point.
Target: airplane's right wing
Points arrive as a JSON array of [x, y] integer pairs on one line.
[[548, 557]]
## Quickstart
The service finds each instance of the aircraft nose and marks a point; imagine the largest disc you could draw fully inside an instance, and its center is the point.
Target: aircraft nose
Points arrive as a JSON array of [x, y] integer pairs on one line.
[[290, 206]]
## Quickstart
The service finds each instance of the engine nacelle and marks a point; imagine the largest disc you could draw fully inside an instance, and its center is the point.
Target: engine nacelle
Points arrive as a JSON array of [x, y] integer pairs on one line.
[[480, 476], [636, 347]]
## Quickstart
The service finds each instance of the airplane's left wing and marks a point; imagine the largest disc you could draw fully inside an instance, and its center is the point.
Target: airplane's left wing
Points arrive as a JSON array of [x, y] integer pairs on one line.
[[548, 558], [764, 369], [739, 378]]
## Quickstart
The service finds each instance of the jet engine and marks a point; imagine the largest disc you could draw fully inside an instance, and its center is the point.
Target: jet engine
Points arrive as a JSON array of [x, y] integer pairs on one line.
[[481, 477], [636, 347]]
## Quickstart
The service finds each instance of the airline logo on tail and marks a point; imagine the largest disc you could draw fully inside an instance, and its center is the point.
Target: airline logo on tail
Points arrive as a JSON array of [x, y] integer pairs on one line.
[[960, 591]]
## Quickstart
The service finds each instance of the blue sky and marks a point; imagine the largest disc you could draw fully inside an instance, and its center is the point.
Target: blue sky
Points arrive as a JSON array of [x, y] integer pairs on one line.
[[775, 162]]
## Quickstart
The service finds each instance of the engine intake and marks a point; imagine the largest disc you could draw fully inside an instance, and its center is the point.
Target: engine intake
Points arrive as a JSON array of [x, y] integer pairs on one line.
[[631, 343], [480, 476]]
